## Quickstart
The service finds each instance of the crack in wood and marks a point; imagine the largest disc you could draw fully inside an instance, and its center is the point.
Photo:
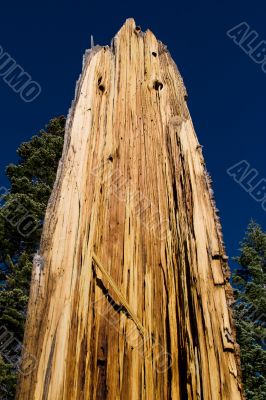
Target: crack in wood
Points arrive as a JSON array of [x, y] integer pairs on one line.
[[119, 294]]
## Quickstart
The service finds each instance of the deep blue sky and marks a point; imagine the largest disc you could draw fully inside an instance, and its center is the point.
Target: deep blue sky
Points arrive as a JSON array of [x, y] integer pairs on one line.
[[226, 88]]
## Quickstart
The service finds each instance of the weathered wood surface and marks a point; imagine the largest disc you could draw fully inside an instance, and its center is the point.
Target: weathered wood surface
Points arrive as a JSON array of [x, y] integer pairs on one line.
[[133, 299]]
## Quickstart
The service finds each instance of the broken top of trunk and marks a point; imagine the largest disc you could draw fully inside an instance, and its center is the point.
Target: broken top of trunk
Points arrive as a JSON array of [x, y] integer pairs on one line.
[[132, 301]]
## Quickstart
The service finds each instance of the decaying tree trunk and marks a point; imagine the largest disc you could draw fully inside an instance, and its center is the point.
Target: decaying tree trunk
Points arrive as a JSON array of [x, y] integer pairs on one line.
[[130, 295]]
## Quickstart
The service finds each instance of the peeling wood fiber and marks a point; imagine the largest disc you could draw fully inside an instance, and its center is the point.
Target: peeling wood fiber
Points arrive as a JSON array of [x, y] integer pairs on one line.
[[133, 300]]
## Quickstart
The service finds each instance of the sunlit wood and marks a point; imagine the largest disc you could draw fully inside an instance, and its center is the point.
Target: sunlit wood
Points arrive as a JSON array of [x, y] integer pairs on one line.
[[133, 299]]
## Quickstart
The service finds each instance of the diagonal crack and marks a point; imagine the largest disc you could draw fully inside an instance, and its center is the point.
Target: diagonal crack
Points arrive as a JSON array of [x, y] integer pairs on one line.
[[127, 308]]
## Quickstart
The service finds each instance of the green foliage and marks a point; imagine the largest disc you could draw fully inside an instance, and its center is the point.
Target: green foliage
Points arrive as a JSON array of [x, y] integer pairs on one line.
[[250, 311], [21, 218], [8, 381]]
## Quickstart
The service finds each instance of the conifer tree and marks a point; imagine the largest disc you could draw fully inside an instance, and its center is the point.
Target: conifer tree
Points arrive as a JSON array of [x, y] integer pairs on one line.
[[21, 217], [250, 311]]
